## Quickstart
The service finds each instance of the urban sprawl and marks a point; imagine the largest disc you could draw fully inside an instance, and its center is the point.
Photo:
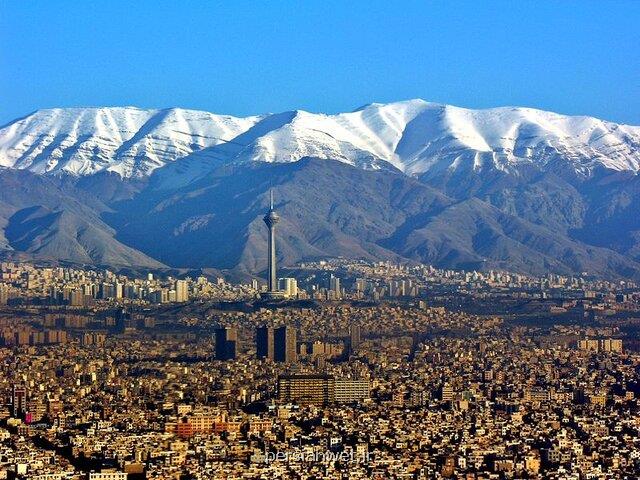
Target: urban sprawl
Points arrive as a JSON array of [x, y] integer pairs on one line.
[[361, 370]]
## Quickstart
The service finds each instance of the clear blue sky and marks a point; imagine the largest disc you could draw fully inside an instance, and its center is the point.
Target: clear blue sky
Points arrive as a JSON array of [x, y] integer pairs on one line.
[[574, 57]]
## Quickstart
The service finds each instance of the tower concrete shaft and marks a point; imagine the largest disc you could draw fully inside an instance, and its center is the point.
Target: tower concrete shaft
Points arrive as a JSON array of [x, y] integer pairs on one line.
[[271, 219], [273, 278]]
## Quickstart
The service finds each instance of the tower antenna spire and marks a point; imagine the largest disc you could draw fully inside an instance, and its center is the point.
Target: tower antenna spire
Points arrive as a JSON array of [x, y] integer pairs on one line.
[[271, 197]]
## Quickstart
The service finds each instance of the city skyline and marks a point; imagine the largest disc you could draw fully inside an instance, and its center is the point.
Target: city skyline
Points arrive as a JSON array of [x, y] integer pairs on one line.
[[365, 240], [404, 354]]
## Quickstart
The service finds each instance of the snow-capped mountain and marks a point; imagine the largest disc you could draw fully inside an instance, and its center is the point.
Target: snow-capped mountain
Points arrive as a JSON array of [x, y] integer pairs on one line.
[[129, 141], [414, 136], [513, 188]]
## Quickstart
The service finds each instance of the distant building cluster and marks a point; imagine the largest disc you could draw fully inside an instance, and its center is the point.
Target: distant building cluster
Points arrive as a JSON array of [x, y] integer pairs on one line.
[[601, 345], [84, 288]]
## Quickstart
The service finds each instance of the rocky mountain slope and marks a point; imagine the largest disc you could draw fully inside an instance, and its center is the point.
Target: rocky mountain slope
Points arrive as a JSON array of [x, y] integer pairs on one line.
[[512, 188]]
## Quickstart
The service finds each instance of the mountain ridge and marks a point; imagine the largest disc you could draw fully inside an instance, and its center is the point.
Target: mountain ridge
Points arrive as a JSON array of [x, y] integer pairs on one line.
[[510, 188], [414, 136]]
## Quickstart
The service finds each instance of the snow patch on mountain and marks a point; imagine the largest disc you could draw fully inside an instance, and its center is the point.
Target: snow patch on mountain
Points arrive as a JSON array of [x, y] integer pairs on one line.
[[125, 140], [414, 136]]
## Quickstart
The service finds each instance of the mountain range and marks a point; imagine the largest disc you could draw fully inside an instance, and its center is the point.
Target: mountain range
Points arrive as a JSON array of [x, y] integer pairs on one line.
[[510, 188]]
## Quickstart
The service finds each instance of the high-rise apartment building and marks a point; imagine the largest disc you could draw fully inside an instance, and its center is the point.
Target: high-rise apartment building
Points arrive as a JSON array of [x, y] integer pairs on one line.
[[334, 286], [226, 343], [285, 344], [265, 343], [308, 389], [289, 286], [182, 291], [18, 400], [354, 334], [349, 390], [360, 285], [320, 389]]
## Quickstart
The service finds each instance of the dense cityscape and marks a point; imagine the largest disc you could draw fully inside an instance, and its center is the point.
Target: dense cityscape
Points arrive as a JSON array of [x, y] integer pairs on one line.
[[360, 370], [342, 369], [319, 240]]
